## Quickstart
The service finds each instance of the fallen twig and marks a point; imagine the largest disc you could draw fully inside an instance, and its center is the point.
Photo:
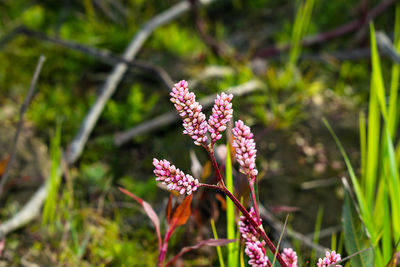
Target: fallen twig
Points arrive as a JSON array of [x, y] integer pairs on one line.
[[171, 117], [104, 55], [386, 46], [33, 206], [22, 111]]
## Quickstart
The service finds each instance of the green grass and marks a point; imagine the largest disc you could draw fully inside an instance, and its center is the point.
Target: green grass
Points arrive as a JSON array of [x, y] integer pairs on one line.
[[233, 248], [377, 188]]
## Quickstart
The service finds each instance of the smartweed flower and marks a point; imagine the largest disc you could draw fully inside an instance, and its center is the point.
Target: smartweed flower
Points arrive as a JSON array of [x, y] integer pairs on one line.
[[174, 178], [245, 149], [330, 257], [194, 121], [221, 115], [254, 248], [290, 257]]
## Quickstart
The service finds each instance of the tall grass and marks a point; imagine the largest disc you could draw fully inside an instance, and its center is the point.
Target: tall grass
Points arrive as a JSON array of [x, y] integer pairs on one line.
[[377, 189], [53, 183], [233, 248]]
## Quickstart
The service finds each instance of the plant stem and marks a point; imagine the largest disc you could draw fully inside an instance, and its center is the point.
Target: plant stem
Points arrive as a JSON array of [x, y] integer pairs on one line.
[[257, 226], [164, 248], [253, 197]]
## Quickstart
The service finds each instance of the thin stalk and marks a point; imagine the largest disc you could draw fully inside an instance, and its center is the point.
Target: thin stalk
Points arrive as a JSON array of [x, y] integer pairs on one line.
[[163, 251], [221, 186], [259, 228], [253, 197]]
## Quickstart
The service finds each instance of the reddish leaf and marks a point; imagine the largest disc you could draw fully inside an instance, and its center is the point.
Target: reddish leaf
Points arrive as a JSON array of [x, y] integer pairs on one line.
[[169, 209], [181, 213], [129, 194], [208, 242], [3, 164], [149, 211]]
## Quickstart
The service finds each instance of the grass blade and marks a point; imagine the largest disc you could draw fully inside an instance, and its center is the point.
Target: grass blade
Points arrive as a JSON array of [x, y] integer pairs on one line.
[[230, 212], [219, 251]]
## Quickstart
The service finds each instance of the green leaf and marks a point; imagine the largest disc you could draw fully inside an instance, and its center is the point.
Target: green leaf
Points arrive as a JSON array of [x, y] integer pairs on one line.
[[355, 238]]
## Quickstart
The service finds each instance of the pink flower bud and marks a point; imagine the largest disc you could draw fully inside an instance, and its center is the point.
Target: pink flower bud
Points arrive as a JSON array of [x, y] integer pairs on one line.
[[290, 257], [221, 114], [330, 257], [174, 178], [245, 149], [194, 121]]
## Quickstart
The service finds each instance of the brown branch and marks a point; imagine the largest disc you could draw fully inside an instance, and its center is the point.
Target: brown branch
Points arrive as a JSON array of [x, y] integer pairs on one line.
[[104, 55], [331, 34], [22, 111]]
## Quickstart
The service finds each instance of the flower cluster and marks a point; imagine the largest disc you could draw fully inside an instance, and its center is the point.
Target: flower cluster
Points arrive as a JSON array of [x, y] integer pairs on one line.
[[245, 149], [254, 248], [174, 178], [194, 121], [330, 258], [290, 257], [256, 252], [221, 115], [246, 230]]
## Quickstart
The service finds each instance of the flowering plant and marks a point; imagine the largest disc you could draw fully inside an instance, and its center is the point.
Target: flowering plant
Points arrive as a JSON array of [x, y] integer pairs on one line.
[[198, 127]]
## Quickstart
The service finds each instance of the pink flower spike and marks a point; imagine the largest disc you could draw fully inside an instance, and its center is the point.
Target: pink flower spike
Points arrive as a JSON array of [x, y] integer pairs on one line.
[[254, 248], [174, 178], [221, 115], [194, 121], [245, 149], [290, 257], [256, 252], [330, 257], [247, 230]]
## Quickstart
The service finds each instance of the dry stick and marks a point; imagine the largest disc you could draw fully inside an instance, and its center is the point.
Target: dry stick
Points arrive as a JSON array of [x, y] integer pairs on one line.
[[22, 111], [171, 117], [33, 206], [386, 46], [328, 35], [104, 55]]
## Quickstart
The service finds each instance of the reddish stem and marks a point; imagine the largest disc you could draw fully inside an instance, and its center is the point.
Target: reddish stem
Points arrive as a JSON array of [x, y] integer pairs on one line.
[[163, 251], [253, 197], [221, 186]]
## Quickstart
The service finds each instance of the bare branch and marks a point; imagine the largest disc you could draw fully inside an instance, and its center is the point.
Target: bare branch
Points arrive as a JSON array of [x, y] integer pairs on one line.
[[22, 111], [104, 55], [386, 46], [171, 117]]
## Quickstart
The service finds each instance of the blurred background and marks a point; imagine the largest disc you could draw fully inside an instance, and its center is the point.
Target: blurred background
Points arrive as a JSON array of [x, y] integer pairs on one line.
[[102, 97]]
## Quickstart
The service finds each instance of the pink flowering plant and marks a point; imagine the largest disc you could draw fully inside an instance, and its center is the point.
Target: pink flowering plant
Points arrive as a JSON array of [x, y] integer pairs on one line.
[[206, 133]]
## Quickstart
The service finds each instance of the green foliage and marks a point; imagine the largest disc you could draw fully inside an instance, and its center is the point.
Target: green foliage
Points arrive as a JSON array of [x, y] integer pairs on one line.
[[219, 251], [53, 184], [378, 189], [355, 236], [178, 41], [133, 110]]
